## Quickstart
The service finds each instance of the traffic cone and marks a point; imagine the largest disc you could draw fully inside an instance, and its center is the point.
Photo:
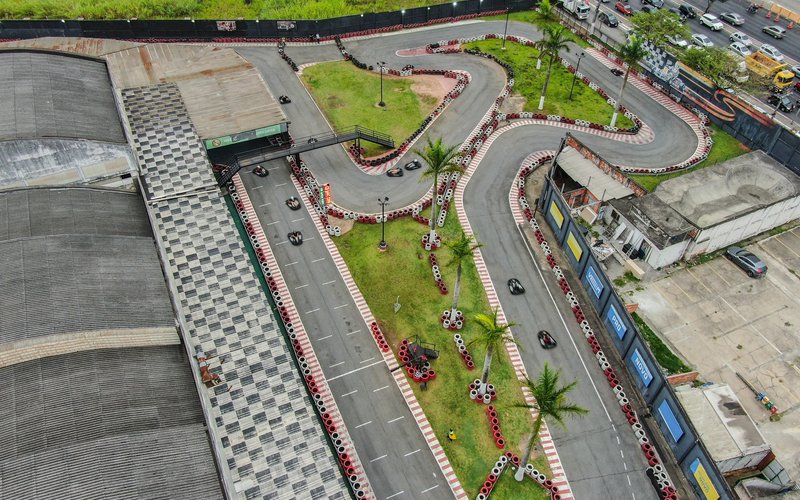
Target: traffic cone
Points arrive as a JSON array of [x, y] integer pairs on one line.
[[769, 15], [790, 26]]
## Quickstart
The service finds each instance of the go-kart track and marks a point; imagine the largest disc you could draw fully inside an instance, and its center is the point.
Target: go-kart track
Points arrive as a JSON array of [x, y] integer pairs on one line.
[[600, 455]]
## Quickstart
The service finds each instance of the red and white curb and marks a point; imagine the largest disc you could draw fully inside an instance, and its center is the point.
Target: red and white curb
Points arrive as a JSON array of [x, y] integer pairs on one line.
[[388, 356], [302, 336]]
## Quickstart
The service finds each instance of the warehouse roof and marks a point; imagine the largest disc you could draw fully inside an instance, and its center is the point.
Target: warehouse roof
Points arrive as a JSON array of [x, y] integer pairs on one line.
[[585, 172]]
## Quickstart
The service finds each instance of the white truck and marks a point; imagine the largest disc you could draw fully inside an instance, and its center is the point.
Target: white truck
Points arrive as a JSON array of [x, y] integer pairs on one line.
[[577, 8]]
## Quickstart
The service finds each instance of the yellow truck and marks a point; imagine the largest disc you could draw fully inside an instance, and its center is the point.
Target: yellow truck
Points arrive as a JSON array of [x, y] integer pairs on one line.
[[763, 65]]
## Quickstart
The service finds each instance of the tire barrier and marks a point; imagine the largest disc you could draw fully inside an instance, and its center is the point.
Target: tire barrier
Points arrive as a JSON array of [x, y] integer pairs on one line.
[[378, 335], [286, 58], [437, 276], [465, 355], [423, 374], [486, 398], [455, 319], [494, 425]]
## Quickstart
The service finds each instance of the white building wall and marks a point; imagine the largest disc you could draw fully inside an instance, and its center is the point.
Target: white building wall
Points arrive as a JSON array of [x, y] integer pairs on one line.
[[743, 227], [669, 255]]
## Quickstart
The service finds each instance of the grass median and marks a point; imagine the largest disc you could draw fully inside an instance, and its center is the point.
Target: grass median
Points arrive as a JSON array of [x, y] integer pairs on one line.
[[349, 96], [586, 104], [404, 271]]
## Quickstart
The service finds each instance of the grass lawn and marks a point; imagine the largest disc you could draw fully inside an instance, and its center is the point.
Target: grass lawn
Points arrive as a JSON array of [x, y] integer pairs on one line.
[[725, 147], [403, 271], [586, 104], [663, 354], [349, 96]]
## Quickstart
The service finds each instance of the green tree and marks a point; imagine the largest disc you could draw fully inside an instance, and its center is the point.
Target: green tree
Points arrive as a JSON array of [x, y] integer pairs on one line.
[[718, 65], [656, 26], [493, 335], [552, 403], [440, 160], [555, 39], [630, 54], [460, 250], [546, 13]]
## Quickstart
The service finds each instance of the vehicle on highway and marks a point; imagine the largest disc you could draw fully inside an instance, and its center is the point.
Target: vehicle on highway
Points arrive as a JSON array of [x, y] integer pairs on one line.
[[702, 41], [796, 70], [623, 8], [260, 171], [772, 52], [752, 265], [515, 287], [687, 10], [775, 32], [546, 340], [395, 172], [609, 19], [655, 3], [738, 36], [739, 49], [763, 65], [732, 18], [711, 21], [783, 102], [677, 41], [577, 8], [413, 165]]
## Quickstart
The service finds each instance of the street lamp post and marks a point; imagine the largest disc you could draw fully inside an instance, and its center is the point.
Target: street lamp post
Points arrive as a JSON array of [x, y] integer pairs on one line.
[[403, 17], [575, 75], [381, 65], [383, 245], [455, 4], [505, 31]]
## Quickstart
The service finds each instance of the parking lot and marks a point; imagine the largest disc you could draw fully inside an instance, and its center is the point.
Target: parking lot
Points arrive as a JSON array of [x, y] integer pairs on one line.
[[722, 322]]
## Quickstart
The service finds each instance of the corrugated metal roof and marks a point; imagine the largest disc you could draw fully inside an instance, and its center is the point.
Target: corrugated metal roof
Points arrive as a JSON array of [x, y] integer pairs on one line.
[[586, 173]]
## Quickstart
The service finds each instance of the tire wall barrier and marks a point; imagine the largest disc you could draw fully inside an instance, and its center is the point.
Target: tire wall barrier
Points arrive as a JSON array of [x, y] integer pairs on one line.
[[666, 410]]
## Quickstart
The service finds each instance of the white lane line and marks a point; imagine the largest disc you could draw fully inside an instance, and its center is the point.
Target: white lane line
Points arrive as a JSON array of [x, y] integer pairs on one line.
[[258, 187], [329, 282], [362, 425], [310, 238], [395, 494], [317, 260], [349, 393], [411, 453], [341, 306], [351, 333], [337, 364], [395, 419], [301, 286], [279, 185], [381, 388], [354, 371], [618, 441], [265, 204], [281, 243], [313, 311], [298, 220], [621, 454], [368, 360], [272, 223], [429, 489], [629, 480], [325, 337], [291, 263], [376, 459]]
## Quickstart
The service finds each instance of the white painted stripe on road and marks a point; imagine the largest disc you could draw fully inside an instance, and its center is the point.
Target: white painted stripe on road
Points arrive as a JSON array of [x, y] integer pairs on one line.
[[318, 260], [272, 223], [341, 306], [337, 364], [301, 286], [395, 494], [280, 185], [368, 360], [313, 311], [291, 263], [362, 425], [329, 282], [353, 332], [298, 220], [411, 453], [396, 419], [265, 204], [349, 393], [325, 337], [376, 459], [354, 371], [429, 489], [281, 243], [381, 388]]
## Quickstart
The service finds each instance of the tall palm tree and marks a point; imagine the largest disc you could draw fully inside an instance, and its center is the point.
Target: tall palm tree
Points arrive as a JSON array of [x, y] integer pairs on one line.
[[492, 336], [460, 250], [555, 39], [551, 402], [440, 160], [630, 53], [546, 13]]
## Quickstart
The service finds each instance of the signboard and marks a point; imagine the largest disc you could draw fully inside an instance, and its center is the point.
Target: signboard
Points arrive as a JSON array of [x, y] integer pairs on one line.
[[597, 287], [248, 135], [574, 246], [556, 214], [641, 368], [226, 25], [669, 418], [703, 481], [321, 194], [286, 25], [326, 189], [616, 322]]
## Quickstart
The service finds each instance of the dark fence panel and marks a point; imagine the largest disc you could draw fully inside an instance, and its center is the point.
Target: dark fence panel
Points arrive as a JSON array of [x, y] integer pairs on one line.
[[617, 322], [595, 283], [679, 433], [556, 213], [644, 370]]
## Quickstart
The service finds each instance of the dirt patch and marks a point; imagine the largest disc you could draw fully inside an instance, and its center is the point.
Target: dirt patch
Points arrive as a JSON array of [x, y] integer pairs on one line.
[[432, 86], [513, 104], [344, 224]]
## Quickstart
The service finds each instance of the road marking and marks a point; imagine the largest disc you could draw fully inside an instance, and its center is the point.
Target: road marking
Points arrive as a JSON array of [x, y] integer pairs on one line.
[[272, 223], [618, 441], [411, 453], [258, 187], [310, 238], [396, 419], [354, 371], [629, 480], [382, 388], [301, 286], [368, 360], [395, 494], [349, 393], [291, 263], [376, 459], [329, 283], [265, 204], [429, 489], [337, 364], [281, 243], [280, 185], [317, 260], [351, 333], [625, 465], [298, 220], [325, 337], [313, 311], [341, 306], [621, 454], [362, 425]]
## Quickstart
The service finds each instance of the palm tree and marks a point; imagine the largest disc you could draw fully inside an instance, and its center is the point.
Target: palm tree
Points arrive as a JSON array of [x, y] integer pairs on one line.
[[440, 160], [555, 39], [630, 53], [493, 335], [461, 249], [551, 402], [546, 13]]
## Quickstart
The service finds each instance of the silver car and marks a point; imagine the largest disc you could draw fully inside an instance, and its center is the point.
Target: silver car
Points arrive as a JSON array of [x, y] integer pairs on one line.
[[739, 49], [738, 36], [775, 32], [752, 265], [732, 18], [702, 41], [771, 52]]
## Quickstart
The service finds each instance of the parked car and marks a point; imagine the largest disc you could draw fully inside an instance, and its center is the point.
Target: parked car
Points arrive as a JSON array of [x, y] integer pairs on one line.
[[771, 51], [687, 11], [738, 36], [648, 9], [702, 41], [752, 265], [677, 41], [413, 165], [260, 171], [395, 172], [796, 70], [732, 18], [711, 21], [623, 8], [546, 340], [782, 102], [739, 49], [775, 32], [609, 19], [655, 3], [515, 287]]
